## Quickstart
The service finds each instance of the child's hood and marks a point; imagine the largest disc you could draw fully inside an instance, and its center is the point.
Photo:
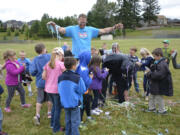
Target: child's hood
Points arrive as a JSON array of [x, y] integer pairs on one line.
[[84, 58]]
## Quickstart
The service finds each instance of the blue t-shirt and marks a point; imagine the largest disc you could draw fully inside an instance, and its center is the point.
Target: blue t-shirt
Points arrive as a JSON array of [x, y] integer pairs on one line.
[[81, 38]]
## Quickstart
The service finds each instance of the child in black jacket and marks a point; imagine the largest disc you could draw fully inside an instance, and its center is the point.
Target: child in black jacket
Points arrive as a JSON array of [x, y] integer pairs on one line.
[[160, 82]]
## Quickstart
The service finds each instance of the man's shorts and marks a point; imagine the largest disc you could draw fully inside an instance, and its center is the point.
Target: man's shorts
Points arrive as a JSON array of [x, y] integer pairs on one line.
[[42, 96]]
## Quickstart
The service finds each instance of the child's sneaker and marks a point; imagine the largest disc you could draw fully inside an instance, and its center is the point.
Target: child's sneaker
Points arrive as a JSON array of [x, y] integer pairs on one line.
[[151, 110], [49, 115], [82, 126], [7, 109], [91, 121], [3, 133], [36, 120], [94, 112], [26, 105], [30, 94], [162, 113], [99, 110], [17, 93], [146, 98]]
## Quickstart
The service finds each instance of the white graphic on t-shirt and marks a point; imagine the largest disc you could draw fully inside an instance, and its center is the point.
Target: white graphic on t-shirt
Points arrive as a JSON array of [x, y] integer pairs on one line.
[[83, 35]]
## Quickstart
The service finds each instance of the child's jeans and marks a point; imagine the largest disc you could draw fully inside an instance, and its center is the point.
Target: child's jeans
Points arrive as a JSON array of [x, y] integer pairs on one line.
[[156, 99], [72, 119], [95, 99], [55, 112], [136, 85], [1, 119], [11, 90]]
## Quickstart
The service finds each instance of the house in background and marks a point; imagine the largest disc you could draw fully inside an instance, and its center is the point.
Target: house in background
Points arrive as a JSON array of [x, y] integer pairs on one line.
[[161, 21], [14, 24], [174, 22]]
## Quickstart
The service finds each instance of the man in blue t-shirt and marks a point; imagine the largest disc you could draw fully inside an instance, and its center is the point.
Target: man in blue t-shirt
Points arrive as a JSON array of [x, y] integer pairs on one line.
[[82, 35]]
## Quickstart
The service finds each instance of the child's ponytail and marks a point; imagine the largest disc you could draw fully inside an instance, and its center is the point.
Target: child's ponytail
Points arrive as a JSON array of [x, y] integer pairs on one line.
[[56, 51], [8, 53], [52, 61]]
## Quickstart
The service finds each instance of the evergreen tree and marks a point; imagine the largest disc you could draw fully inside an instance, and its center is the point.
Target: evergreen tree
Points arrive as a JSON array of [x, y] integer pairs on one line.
[[102, 14], [35, 28], [151, 9], [16, 33], [8, 32], [128, 13]]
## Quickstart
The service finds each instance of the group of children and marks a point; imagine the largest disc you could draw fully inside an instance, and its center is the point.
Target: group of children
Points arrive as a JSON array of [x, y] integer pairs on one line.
[[77, 85]]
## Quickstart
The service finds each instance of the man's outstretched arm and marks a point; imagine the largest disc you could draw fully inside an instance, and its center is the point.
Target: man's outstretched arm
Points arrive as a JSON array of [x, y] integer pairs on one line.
[[110, 29], [62, 30]]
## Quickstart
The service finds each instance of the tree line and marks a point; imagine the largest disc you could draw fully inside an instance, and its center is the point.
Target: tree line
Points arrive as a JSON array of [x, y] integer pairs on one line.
[[102, 14]]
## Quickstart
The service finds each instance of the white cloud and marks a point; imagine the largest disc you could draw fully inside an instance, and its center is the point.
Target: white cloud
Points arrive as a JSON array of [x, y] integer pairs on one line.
[[26, 10]]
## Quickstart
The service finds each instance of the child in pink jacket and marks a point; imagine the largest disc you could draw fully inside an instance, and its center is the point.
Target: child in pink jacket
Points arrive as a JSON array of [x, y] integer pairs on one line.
[[13, 79]]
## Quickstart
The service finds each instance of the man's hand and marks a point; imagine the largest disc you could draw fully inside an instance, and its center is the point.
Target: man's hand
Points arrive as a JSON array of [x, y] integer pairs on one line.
[[60, 29], [51, 23], [118, 26]]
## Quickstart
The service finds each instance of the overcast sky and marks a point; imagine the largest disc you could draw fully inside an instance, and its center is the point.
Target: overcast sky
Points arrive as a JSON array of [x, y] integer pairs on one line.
[[26, 10]]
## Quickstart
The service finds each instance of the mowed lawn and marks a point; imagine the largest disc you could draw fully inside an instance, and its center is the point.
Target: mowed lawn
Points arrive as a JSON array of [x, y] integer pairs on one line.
[[133, 121]]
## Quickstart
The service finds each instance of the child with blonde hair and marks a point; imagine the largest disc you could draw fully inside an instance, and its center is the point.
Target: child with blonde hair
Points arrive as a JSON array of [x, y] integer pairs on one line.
[[146, 61], [52, 70]]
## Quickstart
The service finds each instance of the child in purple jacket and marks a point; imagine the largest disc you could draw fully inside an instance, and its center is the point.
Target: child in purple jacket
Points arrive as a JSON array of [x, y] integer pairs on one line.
[[13, 79], [96, 85]]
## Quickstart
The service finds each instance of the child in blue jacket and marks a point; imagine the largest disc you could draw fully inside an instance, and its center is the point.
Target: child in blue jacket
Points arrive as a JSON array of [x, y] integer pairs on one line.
[[36, 69], [71, 87], [146, 61], [83, 71]]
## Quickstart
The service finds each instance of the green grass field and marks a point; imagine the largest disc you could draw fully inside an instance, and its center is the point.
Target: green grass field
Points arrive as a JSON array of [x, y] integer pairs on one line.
[[133, 121]]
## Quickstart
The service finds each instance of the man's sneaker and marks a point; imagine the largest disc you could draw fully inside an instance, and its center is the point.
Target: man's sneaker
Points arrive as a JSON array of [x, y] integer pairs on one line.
[[99, 110], [162, 113], [36, 120], [30, 94], [7, 109], [151, 110], [3, 133], [26, 105], [49, 115], [94, 112], [83, 127]]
